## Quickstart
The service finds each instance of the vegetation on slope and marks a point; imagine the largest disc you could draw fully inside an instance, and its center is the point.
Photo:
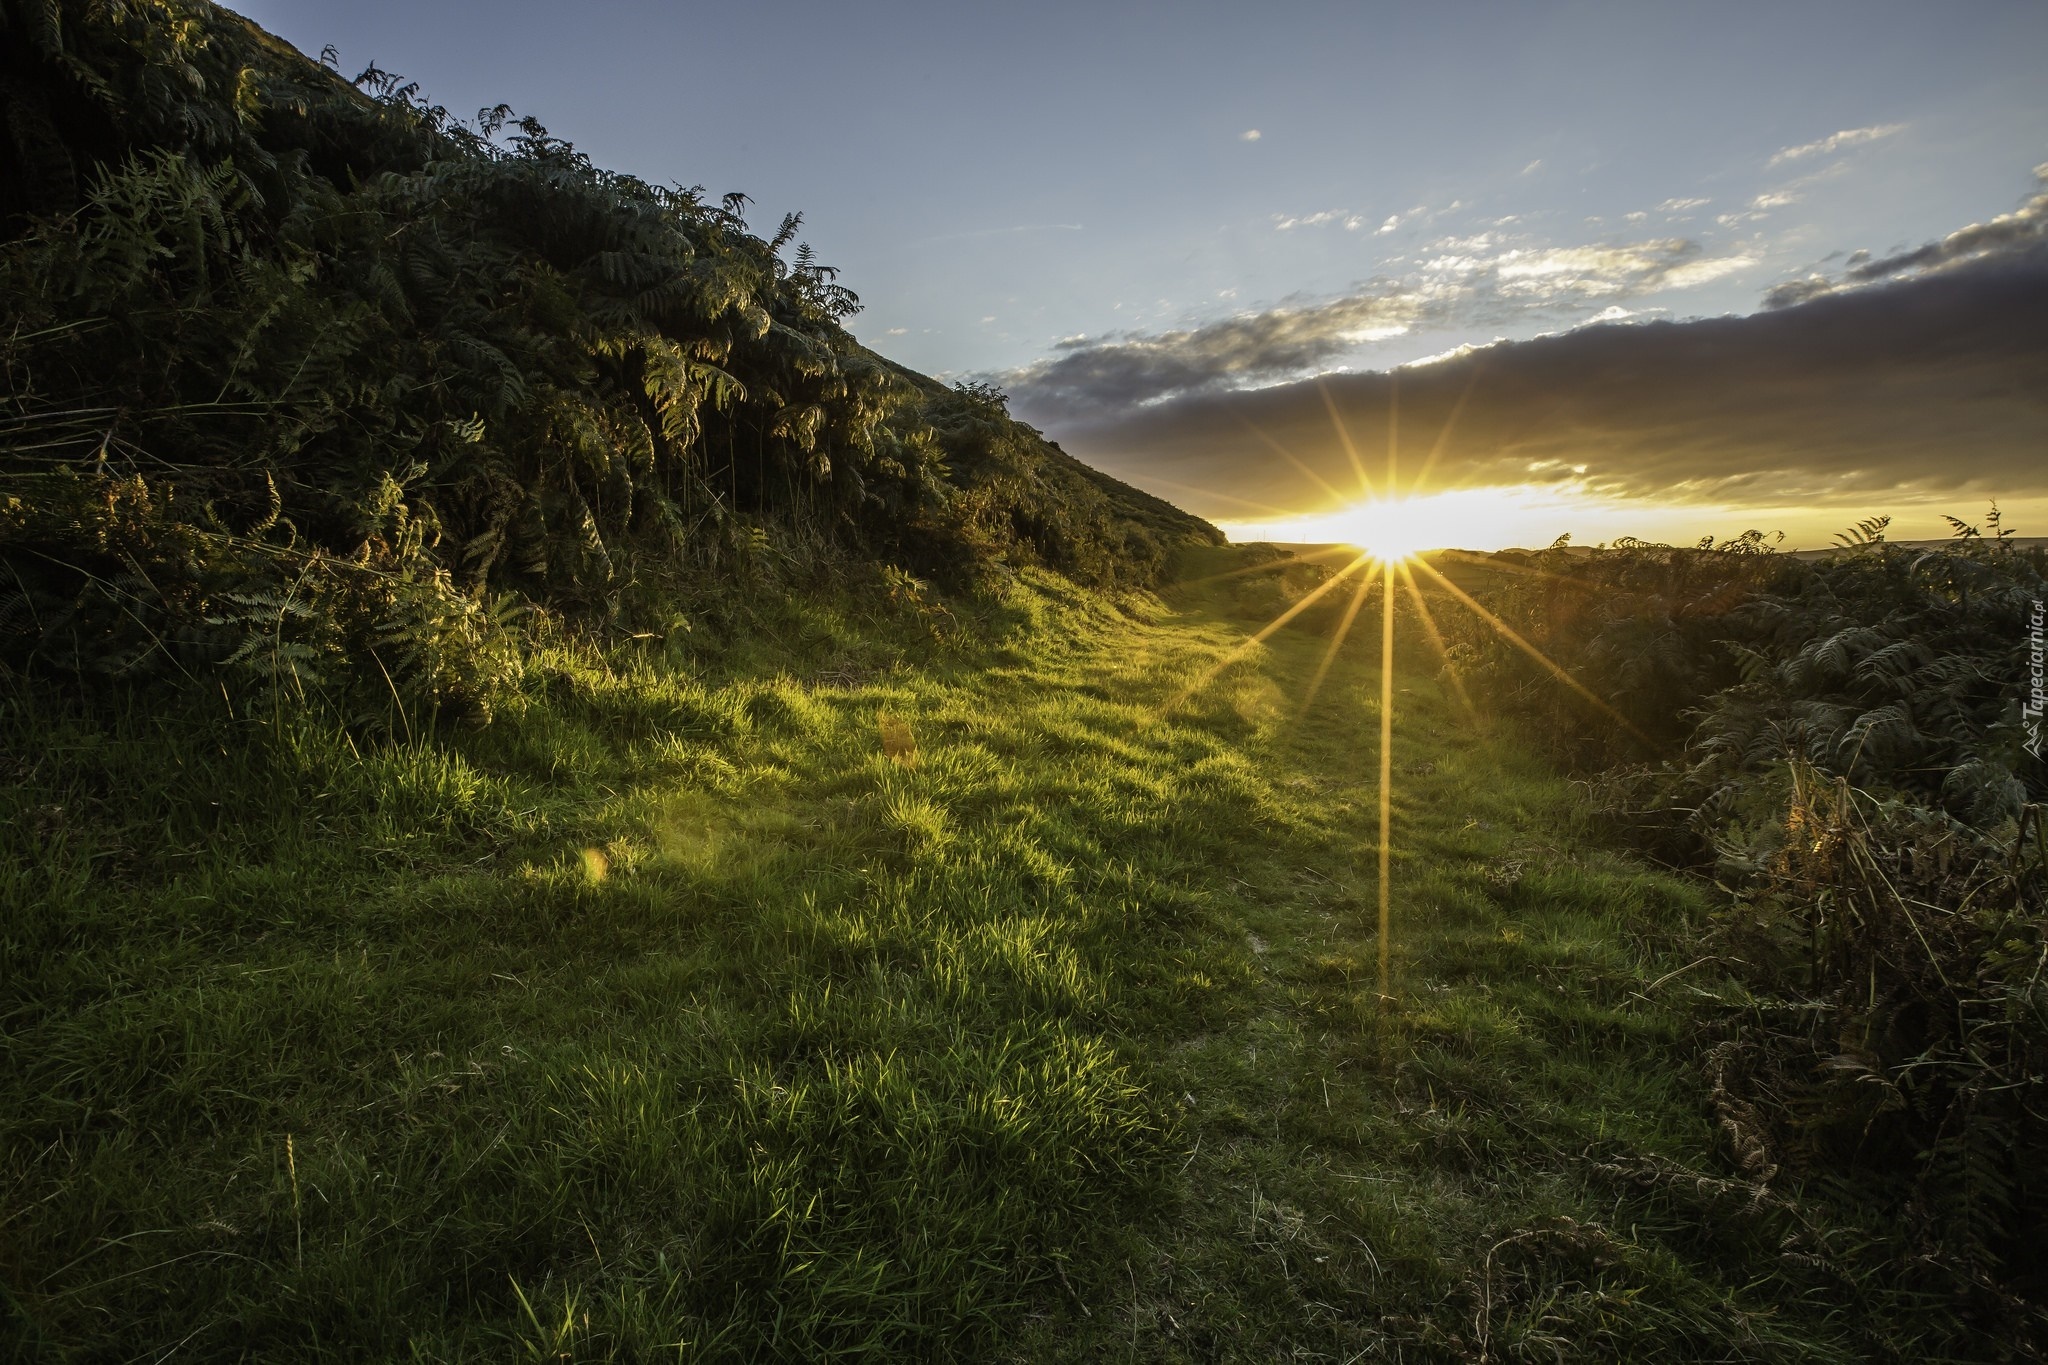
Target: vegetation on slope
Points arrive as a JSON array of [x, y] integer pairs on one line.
[[1840, 741], [306, 379]]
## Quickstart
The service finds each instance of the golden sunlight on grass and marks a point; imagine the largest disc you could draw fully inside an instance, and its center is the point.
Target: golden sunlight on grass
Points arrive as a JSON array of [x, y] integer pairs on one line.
[[1391, 545]]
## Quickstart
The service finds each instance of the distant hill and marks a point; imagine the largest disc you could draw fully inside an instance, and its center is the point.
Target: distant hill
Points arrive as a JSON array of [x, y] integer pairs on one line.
[[1945, 543], [284, 347]]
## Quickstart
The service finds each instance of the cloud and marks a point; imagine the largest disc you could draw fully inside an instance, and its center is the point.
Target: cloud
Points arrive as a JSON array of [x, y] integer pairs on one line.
[[1285, 224], [1393, 221], [2024, 228], [1761, 206], [1551, 272], [1692, 274], [1835, 142], [1532, 167], [1682, 205], [1107, 376], [2021, 233], [1250, 135], [1475, 280], [1924, 385]]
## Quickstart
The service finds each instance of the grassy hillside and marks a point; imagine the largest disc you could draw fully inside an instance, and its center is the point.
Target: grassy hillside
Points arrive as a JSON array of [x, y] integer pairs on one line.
[[308, 380], [876, 996]]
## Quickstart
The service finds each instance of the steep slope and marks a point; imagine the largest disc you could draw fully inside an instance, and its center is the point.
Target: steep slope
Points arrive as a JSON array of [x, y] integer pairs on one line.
[[300, 368]]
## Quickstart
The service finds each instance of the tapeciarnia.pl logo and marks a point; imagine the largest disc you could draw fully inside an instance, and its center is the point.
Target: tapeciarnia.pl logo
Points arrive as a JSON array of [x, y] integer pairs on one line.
[[2037, 695]]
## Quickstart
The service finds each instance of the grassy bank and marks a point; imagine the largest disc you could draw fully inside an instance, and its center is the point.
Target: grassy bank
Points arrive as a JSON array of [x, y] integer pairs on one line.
[[674, 1014]]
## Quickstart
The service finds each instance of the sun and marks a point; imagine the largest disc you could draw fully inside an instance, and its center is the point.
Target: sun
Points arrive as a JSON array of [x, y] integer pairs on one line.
[[1487, 518], [1389, 529]]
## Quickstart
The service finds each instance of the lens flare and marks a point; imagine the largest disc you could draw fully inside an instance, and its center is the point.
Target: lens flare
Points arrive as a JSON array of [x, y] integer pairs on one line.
[[1386, 783], [1388, 530], [1391, 533]]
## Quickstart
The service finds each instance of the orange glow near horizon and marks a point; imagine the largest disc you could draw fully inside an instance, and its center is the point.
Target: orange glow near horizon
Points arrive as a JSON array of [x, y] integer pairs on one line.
[[1530, 516], [1393, 528]]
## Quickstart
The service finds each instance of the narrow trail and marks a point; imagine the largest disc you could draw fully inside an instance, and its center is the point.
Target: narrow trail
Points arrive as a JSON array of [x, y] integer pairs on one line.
[[1512, 1155]]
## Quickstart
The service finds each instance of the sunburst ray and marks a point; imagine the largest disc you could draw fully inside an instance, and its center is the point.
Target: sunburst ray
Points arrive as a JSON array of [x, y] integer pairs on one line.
[[1284, 453], [1386, 779], [1495, 563], [1508, 633], [1265, 632], [1315, 684], [1300, 557], [1393, 425], [1344, 439], [1443, 434], [1227, 497], [1436, 638]]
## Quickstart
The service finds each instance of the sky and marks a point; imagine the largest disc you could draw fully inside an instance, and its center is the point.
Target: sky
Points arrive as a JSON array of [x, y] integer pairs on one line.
[[1206, 246]]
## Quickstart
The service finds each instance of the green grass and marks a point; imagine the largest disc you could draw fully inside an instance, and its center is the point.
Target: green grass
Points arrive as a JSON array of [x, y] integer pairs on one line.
[[669, 1017]]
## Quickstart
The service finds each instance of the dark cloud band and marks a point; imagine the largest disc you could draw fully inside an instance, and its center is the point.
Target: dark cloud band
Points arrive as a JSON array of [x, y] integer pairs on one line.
[[2023, 231], [1474, 281], [1936, 382]]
